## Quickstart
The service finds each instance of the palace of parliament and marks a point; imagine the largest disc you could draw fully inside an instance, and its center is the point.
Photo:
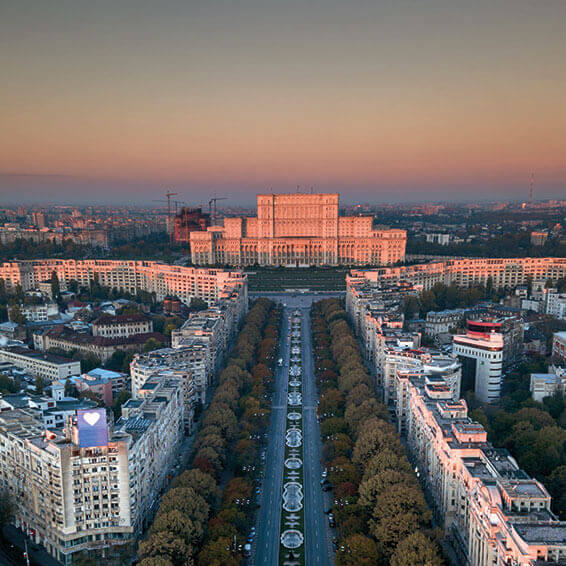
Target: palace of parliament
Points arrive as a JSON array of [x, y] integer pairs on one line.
[[297, 229]]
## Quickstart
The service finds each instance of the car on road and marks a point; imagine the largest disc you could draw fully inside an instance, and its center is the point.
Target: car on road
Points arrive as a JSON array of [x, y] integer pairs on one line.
[[324, 473], [331, 521], [247, 550]]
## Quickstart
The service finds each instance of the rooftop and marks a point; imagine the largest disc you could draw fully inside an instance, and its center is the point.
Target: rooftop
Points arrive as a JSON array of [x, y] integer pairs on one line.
[[52, 358]]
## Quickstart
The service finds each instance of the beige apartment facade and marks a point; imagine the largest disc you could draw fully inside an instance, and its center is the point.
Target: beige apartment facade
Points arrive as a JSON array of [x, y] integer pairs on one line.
[[503, 272], [74, 493], [164, 280], [298, 229]]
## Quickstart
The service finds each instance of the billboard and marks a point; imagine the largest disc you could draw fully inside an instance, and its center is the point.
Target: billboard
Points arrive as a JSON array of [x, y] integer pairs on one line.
[[93, 428]]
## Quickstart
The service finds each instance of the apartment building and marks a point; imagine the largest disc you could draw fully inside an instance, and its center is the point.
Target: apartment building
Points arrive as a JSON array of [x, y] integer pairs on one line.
[[508, 322], [90, 486], [398, 362], [40, 364], [365, 294], [121, 326], [193, 358], [503, 272], [206, 329], [199, 347], [443, 322], [559, 345], [480, 351], [154, 424], [64, 338], [69, 496], [548, 384], [40, 313], [131, 276], [555, 304], [494, 513]]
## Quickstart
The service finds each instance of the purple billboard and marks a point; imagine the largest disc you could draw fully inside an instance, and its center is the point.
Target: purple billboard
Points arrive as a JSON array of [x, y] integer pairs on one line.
[[93, 429]]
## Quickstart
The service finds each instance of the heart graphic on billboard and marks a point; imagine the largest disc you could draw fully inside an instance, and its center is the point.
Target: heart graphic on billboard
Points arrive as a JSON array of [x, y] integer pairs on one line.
[[91, 418]]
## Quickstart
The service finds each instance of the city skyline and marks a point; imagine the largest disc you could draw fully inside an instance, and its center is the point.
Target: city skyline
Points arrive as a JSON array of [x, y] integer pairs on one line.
[[378, 101]]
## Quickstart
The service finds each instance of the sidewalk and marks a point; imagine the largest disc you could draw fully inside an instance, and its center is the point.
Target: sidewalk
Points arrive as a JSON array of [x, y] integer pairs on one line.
[[37, 554]]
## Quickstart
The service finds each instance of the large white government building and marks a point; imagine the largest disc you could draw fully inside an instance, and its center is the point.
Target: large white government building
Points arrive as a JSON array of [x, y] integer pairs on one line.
[[298, 229]]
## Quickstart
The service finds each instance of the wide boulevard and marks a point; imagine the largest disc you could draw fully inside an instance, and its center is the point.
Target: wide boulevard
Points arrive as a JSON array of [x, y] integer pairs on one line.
[[317, 537]]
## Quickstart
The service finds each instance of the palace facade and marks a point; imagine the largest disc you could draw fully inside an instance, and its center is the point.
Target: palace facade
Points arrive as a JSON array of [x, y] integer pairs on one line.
[[298, 229]]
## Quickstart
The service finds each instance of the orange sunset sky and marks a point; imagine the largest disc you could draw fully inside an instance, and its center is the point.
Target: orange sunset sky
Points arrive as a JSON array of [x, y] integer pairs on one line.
[[380, 100]]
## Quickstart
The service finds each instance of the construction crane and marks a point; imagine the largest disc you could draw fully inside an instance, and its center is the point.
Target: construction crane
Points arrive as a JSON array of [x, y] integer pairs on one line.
[[169, 221], [210, 203]]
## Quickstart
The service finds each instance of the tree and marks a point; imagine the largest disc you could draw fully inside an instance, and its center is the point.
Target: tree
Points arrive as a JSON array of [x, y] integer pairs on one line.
[[88, 362], [116, 361], [204, 484], [238, 488], [73, 286], [398, 512], [416, 550], [118, 401], [188, 502], [55, 285], [374, 486], [38, 385], [218, 553], [556, 484], [156, 561], [16, 315], [152, 344], [70, 389], [359, 550], [164, 544], [198, 304], [374, 435], [179, 525], [8, 385], [332, 426], [7, 507]]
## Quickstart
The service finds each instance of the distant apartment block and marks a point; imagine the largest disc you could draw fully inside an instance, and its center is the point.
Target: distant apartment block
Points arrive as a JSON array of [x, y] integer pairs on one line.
[[46, 366], [298, 229], [443, 322], [189, 220], [548, 384], [63, 338], [441, 239], [503, 272], [193, 359], [185, 283], [40, 313], [539, 238], [480, 351], [559, 345], [121, 326], [555, 304]]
